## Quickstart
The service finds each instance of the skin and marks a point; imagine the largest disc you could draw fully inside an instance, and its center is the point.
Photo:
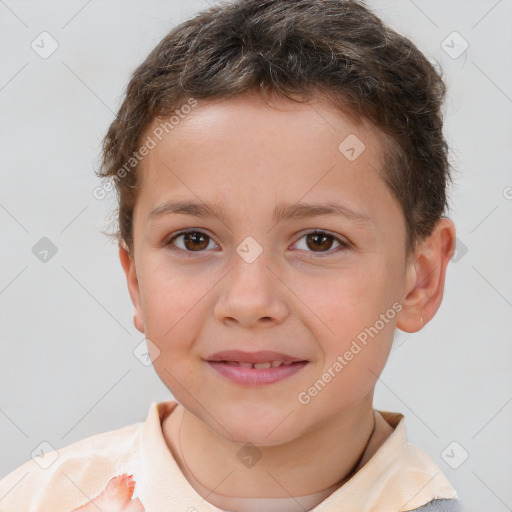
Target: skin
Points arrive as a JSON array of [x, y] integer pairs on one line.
[[250, 156]]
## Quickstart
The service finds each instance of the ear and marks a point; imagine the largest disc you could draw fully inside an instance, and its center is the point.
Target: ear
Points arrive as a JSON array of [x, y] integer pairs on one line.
[[425, 277], [128, 264]]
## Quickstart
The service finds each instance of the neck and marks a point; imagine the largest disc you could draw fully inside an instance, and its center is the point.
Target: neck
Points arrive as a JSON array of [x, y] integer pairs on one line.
[[319, 460]]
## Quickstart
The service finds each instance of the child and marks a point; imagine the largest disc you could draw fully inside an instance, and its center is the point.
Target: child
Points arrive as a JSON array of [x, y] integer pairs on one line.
[[298, 145]]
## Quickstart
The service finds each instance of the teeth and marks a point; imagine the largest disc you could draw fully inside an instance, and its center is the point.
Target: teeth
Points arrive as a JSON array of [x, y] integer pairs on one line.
[[262, 365], [268, 364]]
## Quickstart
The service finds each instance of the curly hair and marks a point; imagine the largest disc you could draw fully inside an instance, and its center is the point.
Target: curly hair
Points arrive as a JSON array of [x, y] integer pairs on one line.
[[300, 49]]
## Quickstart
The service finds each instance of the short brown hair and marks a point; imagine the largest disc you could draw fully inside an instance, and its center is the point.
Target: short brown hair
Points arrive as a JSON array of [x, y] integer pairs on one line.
[[338, 49]]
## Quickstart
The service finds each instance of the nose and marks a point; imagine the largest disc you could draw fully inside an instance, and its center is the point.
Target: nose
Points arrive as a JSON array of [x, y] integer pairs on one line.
[[252, 295]]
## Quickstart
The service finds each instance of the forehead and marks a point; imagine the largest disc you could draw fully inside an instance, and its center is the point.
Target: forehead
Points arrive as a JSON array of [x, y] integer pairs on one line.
[[276, 150], [250, 112]]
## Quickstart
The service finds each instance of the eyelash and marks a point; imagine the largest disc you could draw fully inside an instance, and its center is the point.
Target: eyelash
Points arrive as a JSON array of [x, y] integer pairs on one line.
[[343, 244]]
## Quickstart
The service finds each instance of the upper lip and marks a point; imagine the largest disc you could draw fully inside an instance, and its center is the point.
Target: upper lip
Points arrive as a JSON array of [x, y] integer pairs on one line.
[[261, 356]]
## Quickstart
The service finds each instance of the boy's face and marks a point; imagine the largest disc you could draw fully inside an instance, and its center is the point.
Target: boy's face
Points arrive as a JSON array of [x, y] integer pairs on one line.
[[305, 296]]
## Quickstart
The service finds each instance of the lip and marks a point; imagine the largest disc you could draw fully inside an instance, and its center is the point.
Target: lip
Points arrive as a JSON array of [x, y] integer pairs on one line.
[[251, 357], [254, 376]]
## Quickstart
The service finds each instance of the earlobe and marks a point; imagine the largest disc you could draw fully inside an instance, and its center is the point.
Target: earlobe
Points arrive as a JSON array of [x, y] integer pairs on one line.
[[128, 264], [426, 276]]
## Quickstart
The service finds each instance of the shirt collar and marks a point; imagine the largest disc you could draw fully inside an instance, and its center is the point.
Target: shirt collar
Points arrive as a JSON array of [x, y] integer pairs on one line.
[[399, 476]]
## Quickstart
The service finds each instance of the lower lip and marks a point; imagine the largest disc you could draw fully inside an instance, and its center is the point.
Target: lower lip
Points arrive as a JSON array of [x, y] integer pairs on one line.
[[256, 376]]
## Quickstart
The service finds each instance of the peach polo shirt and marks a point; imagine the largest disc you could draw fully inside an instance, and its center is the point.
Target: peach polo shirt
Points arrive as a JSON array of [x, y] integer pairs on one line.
[[398, 477]]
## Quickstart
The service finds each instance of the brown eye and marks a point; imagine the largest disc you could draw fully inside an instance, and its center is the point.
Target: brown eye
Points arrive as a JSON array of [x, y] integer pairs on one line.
[[195, 241], [321, 242], [192, 241]]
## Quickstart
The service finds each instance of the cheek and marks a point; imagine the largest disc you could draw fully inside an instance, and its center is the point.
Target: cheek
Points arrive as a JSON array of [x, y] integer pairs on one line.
[[168, 291], [172, 313], [171, 304], [346, 300], [354, 319]]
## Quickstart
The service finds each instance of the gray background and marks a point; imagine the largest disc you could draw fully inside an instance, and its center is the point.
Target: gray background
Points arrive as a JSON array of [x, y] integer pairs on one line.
[[67, 368]]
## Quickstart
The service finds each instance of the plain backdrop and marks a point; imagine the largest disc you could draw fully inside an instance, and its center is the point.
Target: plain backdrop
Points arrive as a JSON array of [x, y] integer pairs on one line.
[[68, 368]]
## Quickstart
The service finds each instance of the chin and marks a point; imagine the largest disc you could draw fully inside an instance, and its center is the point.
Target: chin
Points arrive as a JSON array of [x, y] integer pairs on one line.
[[260, 428]]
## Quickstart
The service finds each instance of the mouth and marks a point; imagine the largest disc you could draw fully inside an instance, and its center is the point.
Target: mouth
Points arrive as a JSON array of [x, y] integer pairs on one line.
[[260, 357], [255, 368], [259, 366]]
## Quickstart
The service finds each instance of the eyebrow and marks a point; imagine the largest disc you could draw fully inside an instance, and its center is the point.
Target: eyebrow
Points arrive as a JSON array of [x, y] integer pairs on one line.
[[281, 212]]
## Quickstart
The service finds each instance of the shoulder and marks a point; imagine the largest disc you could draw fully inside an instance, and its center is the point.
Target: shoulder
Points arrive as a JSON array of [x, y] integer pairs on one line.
[[64, 478], [441, 505]]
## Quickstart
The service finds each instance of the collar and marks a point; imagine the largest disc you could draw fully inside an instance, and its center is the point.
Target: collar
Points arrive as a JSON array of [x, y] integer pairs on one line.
[[399, 476]]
